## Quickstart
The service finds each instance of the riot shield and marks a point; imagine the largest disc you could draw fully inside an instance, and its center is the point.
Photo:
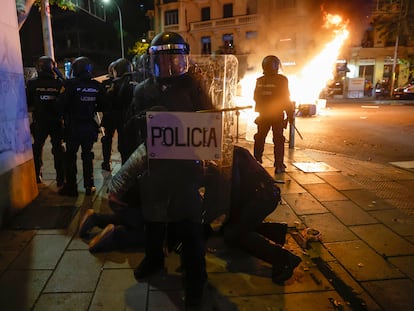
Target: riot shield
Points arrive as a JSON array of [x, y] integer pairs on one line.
[[219, 77]]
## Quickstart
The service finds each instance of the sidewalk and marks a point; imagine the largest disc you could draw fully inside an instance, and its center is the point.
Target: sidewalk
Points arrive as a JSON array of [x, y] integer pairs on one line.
[[363, 210]]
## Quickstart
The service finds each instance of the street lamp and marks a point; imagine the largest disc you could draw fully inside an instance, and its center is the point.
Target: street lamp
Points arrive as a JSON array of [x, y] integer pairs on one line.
[[121, 33]]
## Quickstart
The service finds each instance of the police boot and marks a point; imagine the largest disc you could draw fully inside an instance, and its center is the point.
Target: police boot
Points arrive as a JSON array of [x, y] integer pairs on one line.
[[106, 153], [70, 187], [87, 166], [58, 154], [37, 158], [70, 190], [193, 262], [154, 253]]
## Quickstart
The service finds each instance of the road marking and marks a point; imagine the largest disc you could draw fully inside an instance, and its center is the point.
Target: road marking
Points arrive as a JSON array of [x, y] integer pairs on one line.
[[314, 167], [404, 164], [371, 107]]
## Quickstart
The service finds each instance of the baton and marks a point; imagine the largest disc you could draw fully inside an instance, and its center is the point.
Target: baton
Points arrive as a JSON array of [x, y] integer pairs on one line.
[[297, 131], [98, 120], [225, 109]]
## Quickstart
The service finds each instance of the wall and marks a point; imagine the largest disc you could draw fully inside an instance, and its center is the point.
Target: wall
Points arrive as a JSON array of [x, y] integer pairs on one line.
[[17, 178]]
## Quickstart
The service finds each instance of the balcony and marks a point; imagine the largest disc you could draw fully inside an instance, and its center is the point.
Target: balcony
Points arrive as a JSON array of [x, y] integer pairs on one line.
[[224, 22]]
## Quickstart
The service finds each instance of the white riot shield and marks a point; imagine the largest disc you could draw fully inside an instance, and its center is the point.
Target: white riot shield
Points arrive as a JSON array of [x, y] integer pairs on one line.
[[219, 76]]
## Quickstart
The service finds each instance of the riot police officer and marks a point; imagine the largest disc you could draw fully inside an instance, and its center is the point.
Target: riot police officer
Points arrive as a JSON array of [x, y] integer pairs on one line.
[[169, 193], [42, 93], [120, 95], [81, 99], [272, 99]]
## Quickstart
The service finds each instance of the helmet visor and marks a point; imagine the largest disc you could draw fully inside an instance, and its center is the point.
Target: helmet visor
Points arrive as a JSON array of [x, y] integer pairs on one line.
[[166, 65]]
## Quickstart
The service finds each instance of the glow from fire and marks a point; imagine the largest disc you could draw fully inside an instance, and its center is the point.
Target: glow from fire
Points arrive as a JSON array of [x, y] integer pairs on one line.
[[306, 85]]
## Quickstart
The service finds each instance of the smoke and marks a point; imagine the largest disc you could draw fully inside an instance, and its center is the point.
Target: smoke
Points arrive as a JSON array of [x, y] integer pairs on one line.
[[296, 41]]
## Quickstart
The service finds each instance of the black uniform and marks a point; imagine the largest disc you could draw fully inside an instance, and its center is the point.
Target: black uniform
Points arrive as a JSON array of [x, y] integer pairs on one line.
[[254, 197], [120, 95], [80, 101], [170, 192], [272, 101], [42, 93]]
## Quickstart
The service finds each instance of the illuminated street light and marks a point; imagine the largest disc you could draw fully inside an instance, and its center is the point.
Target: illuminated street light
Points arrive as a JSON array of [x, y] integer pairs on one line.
[[121, 33]]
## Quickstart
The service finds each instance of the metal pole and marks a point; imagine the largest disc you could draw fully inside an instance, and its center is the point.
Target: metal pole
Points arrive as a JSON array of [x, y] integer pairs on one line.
[[292, 130], [47, 29], [121, 32]]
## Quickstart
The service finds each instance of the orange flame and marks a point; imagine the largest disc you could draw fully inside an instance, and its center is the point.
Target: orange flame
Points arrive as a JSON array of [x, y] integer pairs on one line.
[[306, 85]]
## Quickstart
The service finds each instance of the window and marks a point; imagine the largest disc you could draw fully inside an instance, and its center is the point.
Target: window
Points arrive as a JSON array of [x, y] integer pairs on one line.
[[286, 4], [205, 45], [228, 44], [228, 10], [251, 7], [251, 35], [205, 14], [171, 17]]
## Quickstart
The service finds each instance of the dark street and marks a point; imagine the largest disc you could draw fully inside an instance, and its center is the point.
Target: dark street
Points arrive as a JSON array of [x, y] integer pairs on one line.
[[370, 131]]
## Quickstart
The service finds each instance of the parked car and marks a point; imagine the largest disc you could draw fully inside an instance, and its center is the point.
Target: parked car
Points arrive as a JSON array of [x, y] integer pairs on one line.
[[404, 92]]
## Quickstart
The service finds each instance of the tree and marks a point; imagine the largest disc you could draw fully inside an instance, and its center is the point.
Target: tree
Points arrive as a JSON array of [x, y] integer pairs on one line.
[[393, 24], [23, 7], [139, 48]]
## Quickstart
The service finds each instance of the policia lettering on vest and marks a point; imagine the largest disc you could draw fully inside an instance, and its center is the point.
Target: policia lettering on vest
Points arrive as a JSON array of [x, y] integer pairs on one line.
[[177, 137]]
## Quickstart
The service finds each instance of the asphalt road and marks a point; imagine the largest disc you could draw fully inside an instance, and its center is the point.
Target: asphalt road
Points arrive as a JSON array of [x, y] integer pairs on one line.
[[374, 131]]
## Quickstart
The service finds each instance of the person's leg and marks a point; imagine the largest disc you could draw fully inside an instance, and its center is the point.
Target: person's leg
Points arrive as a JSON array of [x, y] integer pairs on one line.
[[87, 156], [278, 148], [39, 135], [58, 152], [193, 260], [283, 262], [154, 252], [263, 128], [70, 186], [106, 141]]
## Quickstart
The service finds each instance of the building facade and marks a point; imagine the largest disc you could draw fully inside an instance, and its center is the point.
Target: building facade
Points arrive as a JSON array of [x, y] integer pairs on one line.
[[291, 29], [385, 53]]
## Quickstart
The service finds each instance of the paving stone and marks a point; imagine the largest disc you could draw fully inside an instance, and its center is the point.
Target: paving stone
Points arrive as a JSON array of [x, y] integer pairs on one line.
[[304, 203], [392, 294], [362, 262], [383, 240], [166, 300], [360, 293], [339, 181], [77, 271], [63, 302], [121, 260], [396, 220], [349, 213], [6, 258], [404, 264], [290, 186], [317, 301], [367, 200], [21, 288], [324, 192], [15, 240], [117, 290], [43, 252], [283, 213], [331, 229], [305, 178]]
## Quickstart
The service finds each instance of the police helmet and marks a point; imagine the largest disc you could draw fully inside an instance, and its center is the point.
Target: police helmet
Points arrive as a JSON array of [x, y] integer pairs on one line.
[[111, 69], [270, 64], [121, 67], [168, 55], [45, 64], [80, 66]]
